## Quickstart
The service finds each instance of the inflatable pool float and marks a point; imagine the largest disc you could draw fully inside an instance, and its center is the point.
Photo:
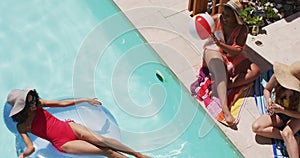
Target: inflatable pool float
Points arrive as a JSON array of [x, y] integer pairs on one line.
[[97, 118]]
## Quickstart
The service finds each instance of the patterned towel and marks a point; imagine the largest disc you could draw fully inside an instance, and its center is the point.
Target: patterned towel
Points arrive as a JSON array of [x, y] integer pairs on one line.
[[201, 90]]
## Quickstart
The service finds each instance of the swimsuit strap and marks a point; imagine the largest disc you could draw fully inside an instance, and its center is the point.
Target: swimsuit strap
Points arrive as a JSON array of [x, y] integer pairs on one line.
[[235, 33]]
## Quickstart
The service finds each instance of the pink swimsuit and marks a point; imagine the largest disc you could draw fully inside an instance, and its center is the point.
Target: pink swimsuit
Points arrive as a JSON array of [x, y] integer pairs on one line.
[[48, 127]]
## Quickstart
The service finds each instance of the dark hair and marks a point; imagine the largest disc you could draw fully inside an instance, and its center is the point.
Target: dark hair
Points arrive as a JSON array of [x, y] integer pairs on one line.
[[21, 116], [294, 98], [227, 7]]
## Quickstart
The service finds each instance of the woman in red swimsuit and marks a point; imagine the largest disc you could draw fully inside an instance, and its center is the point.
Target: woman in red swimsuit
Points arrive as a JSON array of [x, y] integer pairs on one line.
[[224, 54], [66, 136]]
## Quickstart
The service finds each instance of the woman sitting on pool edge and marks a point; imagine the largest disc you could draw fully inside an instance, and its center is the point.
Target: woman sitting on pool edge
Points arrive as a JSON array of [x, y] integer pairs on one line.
[[27, 111], [224, 58]]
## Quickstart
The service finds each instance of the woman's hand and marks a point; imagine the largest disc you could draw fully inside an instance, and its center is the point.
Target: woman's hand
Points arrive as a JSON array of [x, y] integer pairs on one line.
[[94, 101], [217, 42], [21, 155], [276, 108], [269, 103], [268, 107]]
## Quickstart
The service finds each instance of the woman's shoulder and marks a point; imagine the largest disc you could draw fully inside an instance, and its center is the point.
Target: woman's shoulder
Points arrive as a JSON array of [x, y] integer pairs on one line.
[[272, 83], [41, 103], [45, 103], [244, 27], [22, 127]]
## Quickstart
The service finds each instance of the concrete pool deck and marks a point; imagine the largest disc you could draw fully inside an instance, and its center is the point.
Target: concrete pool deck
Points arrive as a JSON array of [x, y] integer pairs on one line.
[[164, 24]]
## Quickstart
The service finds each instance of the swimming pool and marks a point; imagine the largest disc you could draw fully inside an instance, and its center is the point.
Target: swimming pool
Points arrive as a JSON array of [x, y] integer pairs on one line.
[[77, 48]]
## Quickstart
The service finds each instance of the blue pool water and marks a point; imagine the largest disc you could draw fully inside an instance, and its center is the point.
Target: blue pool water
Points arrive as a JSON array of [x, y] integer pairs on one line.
[[75, 48]]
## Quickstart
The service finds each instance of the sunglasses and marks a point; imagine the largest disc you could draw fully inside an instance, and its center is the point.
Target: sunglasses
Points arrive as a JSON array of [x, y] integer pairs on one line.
[[34, 101]]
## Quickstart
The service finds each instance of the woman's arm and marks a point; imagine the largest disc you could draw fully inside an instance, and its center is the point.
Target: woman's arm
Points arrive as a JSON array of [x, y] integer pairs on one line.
[[29, 145], [64, 103], [292, 113], [280, 109], [268, 90]]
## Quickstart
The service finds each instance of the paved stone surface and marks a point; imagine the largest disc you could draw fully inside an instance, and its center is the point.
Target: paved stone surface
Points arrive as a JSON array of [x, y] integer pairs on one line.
[[281, 42], [164, 24]]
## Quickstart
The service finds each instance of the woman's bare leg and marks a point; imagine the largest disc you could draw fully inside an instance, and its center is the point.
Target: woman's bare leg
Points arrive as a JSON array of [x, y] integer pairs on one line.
[[298, 142], [216, 66], [83, 133], [288, 135], [83, 147], [247, 72], [266, 126]]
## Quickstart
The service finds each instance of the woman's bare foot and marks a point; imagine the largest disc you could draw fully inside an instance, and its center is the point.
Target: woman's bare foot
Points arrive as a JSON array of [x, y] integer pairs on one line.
[[229, 119]]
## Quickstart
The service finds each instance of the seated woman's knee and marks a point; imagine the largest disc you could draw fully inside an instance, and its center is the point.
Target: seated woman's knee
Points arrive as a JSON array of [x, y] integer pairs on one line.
[[287, 133], [255, 69], [256, 127], [209, 54]]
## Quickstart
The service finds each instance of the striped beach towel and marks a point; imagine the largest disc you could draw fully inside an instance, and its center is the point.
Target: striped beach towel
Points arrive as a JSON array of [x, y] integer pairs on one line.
[[201, 90], [236, 99]]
